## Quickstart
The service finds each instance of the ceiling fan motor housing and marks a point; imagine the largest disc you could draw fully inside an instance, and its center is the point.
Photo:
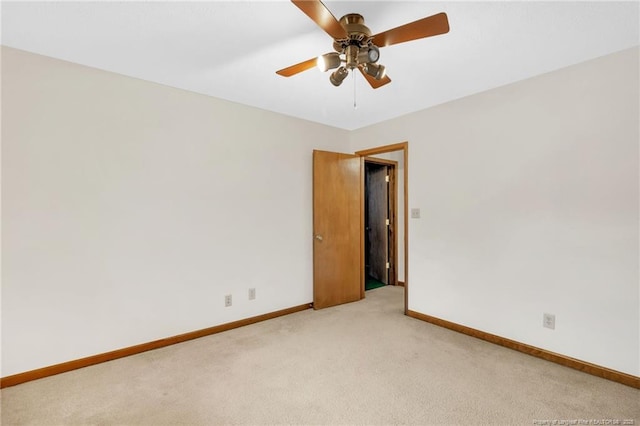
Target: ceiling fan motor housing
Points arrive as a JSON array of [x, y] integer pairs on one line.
[[353, 23], [357, 47]]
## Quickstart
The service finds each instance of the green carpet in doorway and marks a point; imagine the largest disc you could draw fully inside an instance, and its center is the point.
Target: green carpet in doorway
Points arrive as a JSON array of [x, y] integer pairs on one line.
[[372, 283]]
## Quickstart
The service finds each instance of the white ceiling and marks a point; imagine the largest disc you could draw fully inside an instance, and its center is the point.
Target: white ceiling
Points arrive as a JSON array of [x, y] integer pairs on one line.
[[232, 49]]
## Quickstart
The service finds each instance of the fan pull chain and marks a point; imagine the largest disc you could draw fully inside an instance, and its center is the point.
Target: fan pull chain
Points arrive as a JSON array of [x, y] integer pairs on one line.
[[355, 105]]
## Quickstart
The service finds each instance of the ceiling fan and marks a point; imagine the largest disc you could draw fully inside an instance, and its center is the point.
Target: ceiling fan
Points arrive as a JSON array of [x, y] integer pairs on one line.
[[354, 45]]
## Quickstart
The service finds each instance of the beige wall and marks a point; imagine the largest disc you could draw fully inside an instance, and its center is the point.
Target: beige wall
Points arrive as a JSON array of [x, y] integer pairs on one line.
[[130, 209], [529, 204]]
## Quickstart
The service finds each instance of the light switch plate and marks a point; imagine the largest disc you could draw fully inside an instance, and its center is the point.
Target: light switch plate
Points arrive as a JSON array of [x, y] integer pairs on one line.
[[415, 213]]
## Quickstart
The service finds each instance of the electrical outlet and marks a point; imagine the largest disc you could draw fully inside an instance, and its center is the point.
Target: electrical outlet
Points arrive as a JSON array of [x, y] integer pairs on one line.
[[549, 321], [252, 293], [227, 300], [415, 213]]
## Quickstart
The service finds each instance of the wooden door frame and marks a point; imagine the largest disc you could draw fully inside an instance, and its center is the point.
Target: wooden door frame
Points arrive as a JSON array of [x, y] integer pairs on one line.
[[404, 147], [393, 201]]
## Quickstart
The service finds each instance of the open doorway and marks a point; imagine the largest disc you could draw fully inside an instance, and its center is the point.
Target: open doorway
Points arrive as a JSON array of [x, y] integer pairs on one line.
[[338, 224], [380, 222], [400, 154]]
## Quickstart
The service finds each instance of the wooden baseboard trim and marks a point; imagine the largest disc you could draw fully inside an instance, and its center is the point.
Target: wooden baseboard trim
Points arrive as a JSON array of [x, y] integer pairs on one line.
[[40, 373], [586, 367], [400, 283]]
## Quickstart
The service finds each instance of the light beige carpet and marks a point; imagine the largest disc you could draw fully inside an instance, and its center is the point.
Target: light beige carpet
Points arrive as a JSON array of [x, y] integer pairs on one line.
[[361, 363]]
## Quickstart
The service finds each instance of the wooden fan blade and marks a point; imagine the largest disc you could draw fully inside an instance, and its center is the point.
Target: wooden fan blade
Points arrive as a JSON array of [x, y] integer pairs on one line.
[[425, 27], [297, 68], [373, 82], [319, 14]]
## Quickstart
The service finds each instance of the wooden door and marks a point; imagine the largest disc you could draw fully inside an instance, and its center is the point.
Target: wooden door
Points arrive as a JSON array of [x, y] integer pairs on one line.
[[377, 221], [337, 265]]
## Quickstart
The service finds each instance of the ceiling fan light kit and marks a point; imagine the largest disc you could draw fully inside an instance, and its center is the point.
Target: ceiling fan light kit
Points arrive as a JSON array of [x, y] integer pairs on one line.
[[370, 55], [337, 77], [355, 47], [329, 61], [376, 71]]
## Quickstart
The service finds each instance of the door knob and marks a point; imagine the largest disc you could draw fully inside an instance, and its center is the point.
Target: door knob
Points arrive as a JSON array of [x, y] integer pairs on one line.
[[319, 237]]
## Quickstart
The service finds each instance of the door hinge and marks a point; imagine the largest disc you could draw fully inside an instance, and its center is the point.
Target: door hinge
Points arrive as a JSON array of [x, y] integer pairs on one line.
[[387, 265], [387, 222], [386, 178]]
